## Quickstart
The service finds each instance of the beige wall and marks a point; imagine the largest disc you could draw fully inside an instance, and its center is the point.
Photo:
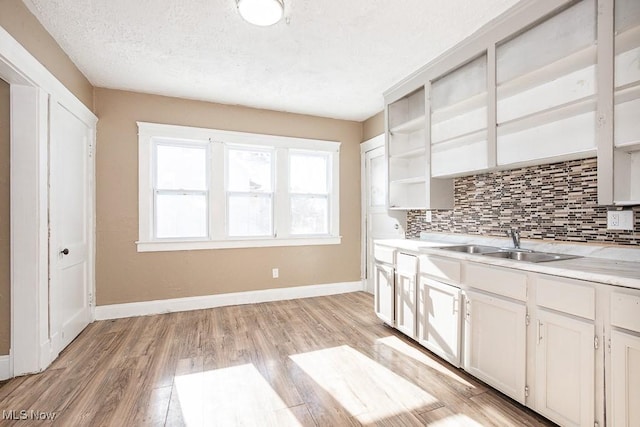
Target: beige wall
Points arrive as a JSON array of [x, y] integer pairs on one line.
[[373, 126], [16, 19], [5, 275], [124, 275]]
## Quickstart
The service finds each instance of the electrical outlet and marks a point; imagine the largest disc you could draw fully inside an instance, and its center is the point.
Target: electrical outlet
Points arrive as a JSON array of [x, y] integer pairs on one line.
[[275, 273], [620, 220], [614, 219], [427, 217]]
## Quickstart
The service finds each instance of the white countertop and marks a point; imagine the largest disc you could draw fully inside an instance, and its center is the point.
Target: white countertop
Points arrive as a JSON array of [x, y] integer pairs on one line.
[[612, 265]]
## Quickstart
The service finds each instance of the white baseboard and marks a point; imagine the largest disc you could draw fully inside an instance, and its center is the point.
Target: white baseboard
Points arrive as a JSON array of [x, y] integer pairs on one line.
[[5, 367], [117, 311]]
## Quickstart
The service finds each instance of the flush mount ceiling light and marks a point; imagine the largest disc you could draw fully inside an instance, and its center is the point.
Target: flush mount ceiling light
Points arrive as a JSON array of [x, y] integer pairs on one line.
[[261, 12]]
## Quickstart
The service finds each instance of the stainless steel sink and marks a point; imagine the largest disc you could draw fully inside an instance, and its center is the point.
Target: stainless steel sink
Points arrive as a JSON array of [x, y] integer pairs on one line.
[[471, 249], [530, 256], [514, 254]]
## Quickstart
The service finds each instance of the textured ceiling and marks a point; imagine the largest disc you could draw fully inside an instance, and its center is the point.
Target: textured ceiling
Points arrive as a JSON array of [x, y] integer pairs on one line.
[[333, 58]]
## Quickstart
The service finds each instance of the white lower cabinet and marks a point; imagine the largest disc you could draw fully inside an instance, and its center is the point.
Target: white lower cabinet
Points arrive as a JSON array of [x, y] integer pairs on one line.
[[478, 320], [625, 379], [406, 278], [439, 318], [384, 292], [565, 369], [495, 342]]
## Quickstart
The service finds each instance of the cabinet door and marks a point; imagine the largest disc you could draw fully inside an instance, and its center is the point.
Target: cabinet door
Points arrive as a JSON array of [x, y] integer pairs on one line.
[[459, 120], [626, 110], [406, 152], [384, 292], [495, 342], [406, 303], [439, 319], [625, 379], [565, 369], [546, 99]]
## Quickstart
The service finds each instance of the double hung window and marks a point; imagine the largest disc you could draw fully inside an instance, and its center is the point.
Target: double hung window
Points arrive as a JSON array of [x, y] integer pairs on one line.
[[309, 192], [249, 191], [181, 189], [205, 188]]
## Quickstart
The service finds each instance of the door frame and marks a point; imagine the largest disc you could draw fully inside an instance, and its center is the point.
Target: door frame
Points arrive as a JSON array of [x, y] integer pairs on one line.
[[368, 145], [32, 87]]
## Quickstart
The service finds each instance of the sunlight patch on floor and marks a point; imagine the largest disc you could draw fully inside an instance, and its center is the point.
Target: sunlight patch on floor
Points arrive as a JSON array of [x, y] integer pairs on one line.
[[237, 395], [366, 389], [398, 345], [456, 420]]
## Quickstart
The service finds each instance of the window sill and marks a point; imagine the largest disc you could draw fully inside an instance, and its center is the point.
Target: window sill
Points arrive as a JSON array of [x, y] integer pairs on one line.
[[164, 246]]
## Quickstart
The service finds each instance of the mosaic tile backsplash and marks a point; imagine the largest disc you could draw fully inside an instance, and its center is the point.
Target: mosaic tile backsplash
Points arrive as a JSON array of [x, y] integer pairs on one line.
[[557, 202]]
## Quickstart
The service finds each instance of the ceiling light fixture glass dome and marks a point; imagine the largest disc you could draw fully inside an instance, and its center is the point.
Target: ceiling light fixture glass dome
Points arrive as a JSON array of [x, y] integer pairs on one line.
[[261, 12]]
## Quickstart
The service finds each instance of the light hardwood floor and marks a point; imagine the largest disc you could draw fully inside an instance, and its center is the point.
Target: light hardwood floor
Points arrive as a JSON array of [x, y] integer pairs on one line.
[[324, 361]]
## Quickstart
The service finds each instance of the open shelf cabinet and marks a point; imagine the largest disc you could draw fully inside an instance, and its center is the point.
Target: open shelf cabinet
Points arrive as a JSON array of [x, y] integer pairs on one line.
[[624, 166], [410, 182]]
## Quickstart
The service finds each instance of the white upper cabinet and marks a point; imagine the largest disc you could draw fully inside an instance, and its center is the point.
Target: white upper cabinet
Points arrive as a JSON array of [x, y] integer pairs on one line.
[[548, 81], [627, 73], [626, 108], [546, 89], [459, 120], [406, 152], [410, 182]]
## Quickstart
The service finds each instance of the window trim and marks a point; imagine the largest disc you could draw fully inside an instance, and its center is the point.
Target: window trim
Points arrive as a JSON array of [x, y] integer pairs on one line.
[[217, 232]]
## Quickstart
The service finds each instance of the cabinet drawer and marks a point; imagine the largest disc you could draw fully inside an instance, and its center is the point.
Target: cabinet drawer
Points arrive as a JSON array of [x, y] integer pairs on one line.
[[384, 254], [441, 268], [566, 295], [625, 311], [501, 281], [406, 265]]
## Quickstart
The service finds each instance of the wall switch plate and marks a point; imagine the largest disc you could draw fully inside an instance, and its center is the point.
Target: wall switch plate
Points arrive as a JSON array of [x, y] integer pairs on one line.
[[275, 273], [620, 220], [427, 216]]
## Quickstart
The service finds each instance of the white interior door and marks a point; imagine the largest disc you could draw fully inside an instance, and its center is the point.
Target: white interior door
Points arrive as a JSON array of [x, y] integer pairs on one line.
[[70, 210], [380, 223]]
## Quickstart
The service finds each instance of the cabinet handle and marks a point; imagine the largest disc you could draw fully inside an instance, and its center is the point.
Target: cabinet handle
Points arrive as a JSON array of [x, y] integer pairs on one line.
[[539, 331], [455, 305], [467, 310]]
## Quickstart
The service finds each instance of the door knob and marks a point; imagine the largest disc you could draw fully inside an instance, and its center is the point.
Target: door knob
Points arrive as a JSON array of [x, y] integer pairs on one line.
[[65, 251]]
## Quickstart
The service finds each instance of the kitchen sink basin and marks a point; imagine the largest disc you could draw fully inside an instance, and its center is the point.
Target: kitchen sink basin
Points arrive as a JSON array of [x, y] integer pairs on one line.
[[530, 256], [514, 254], [471, 249]]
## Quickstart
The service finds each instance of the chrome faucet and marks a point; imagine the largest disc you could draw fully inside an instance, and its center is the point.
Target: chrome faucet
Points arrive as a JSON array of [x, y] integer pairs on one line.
[[515, 236]]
